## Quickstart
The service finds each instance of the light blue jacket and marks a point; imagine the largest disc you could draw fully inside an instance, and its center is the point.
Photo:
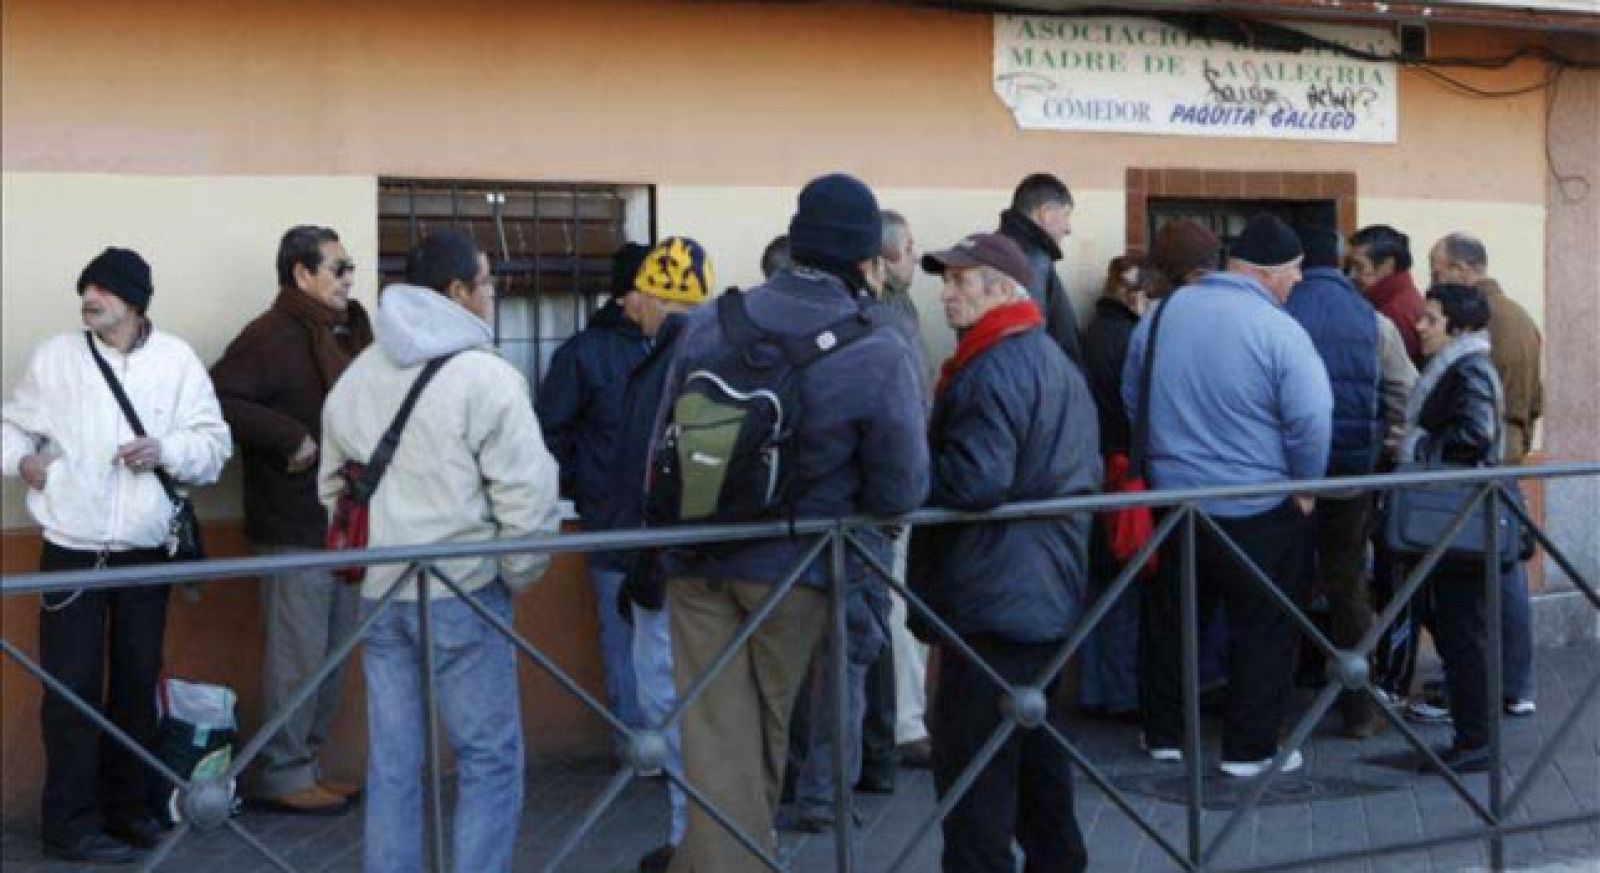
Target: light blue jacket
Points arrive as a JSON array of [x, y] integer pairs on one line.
[[1239, 395]]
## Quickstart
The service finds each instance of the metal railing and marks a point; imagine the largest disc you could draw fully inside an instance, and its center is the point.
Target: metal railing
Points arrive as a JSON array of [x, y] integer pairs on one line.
[[205, 804]]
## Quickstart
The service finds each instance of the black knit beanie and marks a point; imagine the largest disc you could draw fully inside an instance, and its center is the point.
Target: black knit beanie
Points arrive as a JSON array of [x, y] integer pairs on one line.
[[123, 273], [1322, 247], [836, 223], [625, 263], [1267, 242]]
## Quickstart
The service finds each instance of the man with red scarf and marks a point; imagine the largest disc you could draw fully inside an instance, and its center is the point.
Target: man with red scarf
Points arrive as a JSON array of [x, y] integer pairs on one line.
[[1012, 421]]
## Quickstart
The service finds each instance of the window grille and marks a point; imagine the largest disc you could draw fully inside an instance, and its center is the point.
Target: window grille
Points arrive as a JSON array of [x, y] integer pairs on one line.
[[549, 247]]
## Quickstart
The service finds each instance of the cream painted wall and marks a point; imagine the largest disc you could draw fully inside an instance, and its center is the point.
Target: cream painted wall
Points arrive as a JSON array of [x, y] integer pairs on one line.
[[211, 243], [1512, 232]]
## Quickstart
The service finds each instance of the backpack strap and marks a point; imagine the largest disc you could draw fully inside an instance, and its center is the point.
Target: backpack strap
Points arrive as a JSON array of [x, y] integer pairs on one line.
[[800, 351], [381, 456]]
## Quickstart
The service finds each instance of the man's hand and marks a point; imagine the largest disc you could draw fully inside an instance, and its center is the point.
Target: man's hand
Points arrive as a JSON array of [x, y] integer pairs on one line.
[[303, 457], [1307, 504], [140, 455], [35, 469]]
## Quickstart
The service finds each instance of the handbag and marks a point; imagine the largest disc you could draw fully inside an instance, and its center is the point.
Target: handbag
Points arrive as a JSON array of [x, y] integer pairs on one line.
[[348, 528], [1129, 528], [183, 541], [1415, 519]]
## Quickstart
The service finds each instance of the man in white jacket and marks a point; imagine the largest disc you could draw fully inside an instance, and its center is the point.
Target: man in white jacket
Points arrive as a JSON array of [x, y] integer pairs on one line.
[[93, 489], [471, 465]]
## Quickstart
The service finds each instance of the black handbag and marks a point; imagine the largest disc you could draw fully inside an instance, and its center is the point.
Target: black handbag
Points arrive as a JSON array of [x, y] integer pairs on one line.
[[1415, 518], [183, 532]]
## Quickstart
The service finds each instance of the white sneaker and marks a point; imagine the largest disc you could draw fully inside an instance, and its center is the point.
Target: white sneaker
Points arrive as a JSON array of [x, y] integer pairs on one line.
[[1250, 769], [1160, 753], [1520, 707]]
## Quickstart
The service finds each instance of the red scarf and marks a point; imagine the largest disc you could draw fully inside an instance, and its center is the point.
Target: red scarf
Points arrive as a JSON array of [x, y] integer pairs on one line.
[[1006, 320]]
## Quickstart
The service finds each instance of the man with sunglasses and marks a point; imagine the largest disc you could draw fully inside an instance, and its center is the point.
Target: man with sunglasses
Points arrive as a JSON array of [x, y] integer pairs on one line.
[[272, 382]]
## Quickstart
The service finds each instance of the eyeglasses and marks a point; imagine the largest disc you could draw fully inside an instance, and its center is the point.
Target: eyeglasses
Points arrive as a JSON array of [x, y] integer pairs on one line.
[[342, 269]]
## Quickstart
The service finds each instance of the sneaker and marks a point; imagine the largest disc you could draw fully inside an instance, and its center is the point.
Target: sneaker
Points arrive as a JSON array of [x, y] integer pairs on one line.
[[1164, 754], [1461, 759], [92, 848], [657, 861], [1426, 711], [313, 801], [1520, 708], [1251, 769]]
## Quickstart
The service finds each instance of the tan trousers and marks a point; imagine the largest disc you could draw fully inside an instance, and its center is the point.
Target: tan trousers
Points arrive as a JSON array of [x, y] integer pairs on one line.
[[735, 737]]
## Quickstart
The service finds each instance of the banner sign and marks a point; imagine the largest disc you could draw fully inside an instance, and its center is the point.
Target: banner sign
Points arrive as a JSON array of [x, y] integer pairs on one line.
[[1138, 75]]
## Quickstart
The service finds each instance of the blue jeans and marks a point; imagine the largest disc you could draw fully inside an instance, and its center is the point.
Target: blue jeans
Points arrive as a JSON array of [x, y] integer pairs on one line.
[[813, 791], [616, 647], [476, 698], [1516, 635], [652, 664]]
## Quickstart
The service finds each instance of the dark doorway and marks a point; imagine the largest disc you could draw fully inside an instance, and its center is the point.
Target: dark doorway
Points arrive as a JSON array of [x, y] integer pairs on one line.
[[1227, 218]]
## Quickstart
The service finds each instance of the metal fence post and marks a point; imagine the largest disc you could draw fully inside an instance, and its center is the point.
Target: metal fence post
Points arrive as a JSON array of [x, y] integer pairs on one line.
[[843, 803], [1190, 596], [1496, 671], [430, 720]]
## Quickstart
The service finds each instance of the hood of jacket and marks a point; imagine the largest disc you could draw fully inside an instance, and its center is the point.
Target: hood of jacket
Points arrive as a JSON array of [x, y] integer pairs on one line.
[[417, 324]]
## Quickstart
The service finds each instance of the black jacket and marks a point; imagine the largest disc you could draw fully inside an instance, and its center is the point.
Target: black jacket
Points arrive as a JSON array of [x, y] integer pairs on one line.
[[1105, 352], [1015, 424], [580, 402], [1060, 322], [1459, 415]]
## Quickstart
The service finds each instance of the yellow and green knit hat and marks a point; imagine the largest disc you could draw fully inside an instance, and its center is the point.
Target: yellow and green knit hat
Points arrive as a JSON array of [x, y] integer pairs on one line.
[[676, 270]]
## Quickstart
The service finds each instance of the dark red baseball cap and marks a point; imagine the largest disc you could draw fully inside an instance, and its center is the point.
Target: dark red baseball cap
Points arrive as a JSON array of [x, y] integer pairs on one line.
[[982, 250]]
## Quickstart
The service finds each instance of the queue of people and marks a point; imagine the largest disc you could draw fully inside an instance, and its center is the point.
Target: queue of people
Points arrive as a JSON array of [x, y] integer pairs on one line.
[[1285, 355]]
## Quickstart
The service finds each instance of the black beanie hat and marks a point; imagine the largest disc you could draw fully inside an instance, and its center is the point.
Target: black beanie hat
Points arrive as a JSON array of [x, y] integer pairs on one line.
[[1267, 242], [625, 263], [1322, 247], [836, 223], [123, 273]]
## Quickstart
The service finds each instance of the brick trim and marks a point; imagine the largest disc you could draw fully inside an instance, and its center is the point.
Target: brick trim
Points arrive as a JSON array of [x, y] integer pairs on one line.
[[1143, 183]]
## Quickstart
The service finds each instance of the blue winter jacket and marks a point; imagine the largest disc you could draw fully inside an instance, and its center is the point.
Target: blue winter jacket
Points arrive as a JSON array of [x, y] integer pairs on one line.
[[1344, 328], [621, 503], [860, 448], [1238, 394], [580, 402], [1016, 423]]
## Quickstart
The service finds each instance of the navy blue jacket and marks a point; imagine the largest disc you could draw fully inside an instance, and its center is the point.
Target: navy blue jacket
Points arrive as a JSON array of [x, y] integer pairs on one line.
[[1017, 423], [1344, 328], [1046, 288], [580, 402], [860, 445], [621, 506]]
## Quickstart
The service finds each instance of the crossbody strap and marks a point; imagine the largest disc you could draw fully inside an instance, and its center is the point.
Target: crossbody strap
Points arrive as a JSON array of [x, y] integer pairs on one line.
[[128, 412], [384, 453], [1139, 452]]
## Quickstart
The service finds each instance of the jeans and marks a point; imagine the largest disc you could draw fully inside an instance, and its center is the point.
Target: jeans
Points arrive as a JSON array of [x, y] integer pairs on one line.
[[477, 703], [1516, 634], [616, 647], [813, 793], [652, 664]]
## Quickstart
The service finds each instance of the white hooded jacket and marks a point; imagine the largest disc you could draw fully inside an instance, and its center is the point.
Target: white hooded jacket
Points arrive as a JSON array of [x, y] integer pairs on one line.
[[63, 406], [471, 463]]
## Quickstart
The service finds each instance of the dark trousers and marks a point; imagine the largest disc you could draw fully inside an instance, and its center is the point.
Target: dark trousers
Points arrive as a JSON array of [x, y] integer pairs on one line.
[[1261, 639], [1026, 791], [879, 758], [1343, 527], [1455, 610], [90, 778]]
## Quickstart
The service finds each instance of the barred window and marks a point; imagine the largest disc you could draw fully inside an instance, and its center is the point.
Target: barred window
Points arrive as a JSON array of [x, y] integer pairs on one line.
[[549, 246]]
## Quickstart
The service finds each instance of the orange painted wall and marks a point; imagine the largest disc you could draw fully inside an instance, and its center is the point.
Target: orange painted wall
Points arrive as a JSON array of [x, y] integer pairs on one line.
[[219, 640], [676, 93]]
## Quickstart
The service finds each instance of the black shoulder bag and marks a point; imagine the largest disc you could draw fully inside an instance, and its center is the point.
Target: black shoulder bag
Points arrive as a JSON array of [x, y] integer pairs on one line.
[[183, 532]]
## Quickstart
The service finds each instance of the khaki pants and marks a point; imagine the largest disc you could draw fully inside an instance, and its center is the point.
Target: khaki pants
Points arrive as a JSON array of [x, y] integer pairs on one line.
[[735, 736]]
